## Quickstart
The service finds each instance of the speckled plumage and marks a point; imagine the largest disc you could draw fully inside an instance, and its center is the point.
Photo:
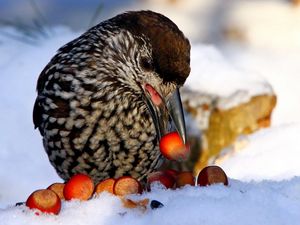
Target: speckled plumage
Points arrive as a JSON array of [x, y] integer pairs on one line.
[[91, 108]]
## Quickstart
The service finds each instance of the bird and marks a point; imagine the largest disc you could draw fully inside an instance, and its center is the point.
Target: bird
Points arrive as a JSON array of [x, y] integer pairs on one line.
[[107, 97]]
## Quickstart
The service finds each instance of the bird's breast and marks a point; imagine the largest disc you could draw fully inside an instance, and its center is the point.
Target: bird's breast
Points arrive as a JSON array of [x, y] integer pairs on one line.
[[104, 135]]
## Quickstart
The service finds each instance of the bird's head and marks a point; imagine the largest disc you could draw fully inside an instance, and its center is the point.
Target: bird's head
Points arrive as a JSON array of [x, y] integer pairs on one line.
[[159, 57]]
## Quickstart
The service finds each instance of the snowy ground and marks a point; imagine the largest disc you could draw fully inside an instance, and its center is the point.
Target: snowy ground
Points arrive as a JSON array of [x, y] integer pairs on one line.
[[241, 203], [264, 186]]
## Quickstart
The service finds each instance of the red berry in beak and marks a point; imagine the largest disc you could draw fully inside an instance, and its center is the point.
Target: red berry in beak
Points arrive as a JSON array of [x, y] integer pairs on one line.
[[172, 147]]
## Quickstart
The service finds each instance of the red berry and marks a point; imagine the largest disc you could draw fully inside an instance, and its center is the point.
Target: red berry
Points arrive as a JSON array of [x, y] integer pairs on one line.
[[172, 147], [46, 201], [212, 175], [58, 188], [105, 185], [162, 177], [127, 185], [184, 178], [80, 186], [171, 172]]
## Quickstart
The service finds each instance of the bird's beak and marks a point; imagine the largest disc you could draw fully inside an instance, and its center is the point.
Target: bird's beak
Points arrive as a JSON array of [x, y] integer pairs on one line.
[[167, 108], [175, 109]]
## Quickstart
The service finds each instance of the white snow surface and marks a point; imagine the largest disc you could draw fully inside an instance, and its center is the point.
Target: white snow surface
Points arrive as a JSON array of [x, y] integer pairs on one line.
[[264, 184], [281, 69], [212, 74], [266, 155], [266, 202]]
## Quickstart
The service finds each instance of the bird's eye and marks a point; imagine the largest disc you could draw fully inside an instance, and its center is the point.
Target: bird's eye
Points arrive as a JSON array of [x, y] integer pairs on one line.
[[146, 63]]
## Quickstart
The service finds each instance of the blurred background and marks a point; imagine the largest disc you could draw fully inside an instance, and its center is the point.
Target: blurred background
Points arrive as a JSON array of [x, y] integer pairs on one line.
[[265, 23]]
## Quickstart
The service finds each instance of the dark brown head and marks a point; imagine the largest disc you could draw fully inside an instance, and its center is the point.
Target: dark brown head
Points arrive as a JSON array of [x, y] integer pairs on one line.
[[165, 68], [170, 48]]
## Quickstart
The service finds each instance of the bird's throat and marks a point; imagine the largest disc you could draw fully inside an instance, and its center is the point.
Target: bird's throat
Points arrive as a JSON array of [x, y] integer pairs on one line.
[[154, 95]]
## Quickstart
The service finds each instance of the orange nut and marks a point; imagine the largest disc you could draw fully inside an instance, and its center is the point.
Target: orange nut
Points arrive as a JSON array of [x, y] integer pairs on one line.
[[45, 200], [80, 186]]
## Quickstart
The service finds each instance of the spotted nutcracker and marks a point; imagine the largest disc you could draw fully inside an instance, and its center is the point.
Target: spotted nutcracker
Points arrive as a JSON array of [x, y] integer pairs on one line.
[[105, 99]]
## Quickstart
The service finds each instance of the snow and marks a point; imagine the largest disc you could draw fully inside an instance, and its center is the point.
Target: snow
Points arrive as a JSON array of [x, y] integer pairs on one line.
[[264, 184], [211, 72], [267, 202], [21, 147], [281, 69], [270, 149]]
